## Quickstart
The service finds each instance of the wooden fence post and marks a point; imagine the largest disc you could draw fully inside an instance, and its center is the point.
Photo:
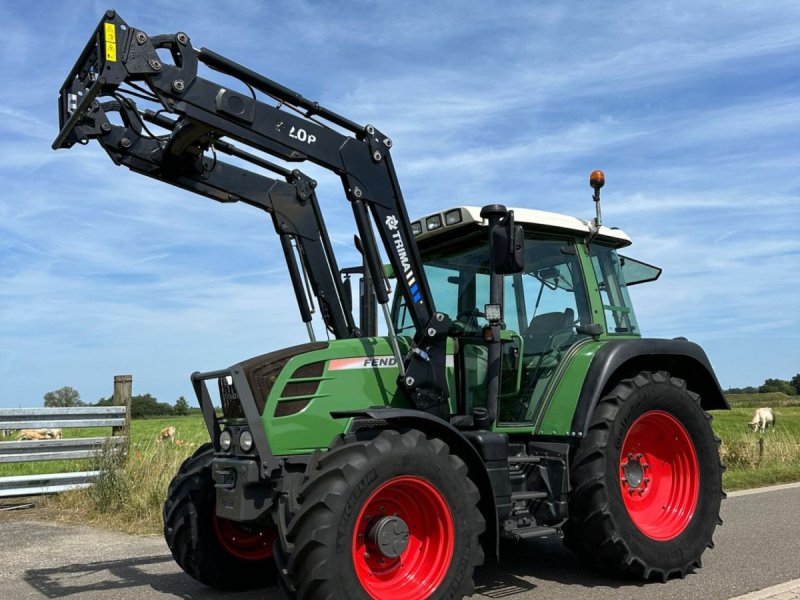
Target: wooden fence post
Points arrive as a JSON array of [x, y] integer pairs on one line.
[[123, 385]]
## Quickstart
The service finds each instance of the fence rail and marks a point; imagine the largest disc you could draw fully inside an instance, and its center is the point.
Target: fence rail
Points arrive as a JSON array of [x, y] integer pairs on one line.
[[62, 418], [34, 485], [29, 451], [54, 448]]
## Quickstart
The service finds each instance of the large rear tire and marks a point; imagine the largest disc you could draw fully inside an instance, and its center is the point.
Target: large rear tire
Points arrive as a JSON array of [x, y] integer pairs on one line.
[[220, 553], [394, 517], [647, 481]]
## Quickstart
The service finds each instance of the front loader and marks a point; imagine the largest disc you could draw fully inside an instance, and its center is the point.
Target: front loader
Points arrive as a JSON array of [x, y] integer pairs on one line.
[[512, 395]]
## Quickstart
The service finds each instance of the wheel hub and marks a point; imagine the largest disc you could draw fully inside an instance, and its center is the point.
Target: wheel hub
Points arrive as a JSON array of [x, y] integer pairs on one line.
[[388, 536], [633, 473]]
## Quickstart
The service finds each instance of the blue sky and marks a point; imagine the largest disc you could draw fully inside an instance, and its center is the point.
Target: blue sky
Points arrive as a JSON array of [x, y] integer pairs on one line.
[[692, 109]]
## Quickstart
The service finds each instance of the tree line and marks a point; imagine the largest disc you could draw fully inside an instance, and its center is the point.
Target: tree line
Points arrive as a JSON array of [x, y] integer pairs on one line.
[[790, 387], [142, 405]]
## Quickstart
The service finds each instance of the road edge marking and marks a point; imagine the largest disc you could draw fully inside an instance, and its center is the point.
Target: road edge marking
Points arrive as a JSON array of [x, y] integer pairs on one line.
[[762, 490], [775, 590]]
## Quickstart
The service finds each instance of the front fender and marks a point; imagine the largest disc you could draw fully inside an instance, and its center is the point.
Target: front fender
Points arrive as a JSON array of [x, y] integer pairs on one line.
[[382, 418]]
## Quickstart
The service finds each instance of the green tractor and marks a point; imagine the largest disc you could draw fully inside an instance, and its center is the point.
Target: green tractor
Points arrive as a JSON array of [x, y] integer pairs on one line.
[[512, 395]]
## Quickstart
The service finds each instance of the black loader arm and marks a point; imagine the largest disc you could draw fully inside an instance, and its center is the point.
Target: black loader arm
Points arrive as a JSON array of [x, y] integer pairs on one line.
[[201, 116], [292, 203]]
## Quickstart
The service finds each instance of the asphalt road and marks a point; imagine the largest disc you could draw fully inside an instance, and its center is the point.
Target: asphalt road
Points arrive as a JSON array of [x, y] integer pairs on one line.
[[757, 547]]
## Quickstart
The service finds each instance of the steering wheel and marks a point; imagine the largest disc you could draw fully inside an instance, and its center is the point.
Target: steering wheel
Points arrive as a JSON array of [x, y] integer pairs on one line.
[[558, 332], [468, 319]]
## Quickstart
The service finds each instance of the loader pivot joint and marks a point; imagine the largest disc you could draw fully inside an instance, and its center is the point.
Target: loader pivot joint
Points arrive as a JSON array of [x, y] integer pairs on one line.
[[424, 363], [378, 143]]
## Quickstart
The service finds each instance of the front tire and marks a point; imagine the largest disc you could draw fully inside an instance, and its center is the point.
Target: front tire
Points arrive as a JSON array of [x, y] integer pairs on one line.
[[220, 553], [647, 481], [393, 517]]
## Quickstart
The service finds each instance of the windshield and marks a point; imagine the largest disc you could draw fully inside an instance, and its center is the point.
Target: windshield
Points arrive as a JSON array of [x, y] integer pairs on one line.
[[458, 276]]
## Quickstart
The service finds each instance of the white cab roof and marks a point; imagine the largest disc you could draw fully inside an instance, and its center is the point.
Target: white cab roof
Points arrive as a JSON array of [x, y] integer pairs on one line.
[[547, 221]]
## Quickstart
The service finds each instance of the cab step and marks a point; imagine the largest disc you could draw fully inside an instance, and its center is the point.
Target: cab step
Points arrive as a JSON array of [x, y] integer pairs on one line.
[[527, 495], [528, 533], [519, 460]]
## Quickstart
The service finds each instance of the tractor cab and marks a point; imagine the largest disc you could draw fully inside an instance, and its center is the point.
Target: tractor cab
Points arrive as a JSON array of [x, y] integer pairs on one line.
[[571, 290]]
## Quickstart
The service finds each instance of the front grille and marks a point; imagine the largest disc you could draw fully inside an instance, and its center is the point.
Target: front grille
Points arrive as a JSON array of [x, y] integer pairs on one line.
[[314, 369], [300, 388], [262, 379], [290, 407], [262, 371], [231, 405]]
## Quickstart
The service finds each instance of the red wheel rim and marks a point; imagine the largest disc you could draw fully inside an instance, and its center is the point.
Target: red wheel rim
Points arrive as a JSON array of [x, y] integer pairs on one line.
[[242, 543], [659, 475], [423, 564]]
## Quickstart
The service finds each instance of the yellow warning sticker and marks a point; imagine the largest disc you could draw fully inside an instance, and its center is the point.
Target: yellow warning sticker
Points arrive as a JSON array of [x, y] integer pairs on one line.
[[111, 42]]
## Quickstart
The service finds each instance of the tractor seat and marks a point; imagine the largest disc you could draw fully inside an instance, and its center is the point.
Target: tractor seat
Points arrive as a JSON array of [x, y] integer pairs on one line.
[[543, 327]]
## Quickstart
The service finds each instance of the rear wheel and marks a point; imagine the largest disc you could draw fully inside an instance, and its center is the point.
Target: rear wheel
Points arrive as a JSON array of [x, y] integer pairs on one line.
[[391, 518], [647, 481], [218, 552]]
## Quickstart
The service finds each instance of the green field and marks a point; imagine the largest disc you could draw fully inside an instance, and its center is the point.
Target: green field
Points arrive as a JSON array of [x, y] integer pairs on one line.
[[750, 466], [771, 399]]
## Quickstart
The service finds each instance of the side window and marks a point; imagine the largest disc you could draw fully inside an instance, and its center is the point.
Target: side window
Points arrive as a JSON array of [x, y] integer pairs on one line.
[[548, 299], [617, 307], [555, 297]]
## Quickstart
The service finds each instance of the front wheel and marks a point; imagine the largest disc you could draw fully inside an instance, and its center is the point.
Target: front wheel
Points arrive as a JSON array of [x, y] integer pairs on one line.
[[220, 553], [390, 518], [647, 481]]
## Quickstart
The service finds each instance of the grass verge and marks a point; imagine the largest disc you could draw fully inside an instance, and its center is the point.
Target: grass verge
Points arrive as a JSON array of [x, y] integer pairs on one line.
[[130, 493]]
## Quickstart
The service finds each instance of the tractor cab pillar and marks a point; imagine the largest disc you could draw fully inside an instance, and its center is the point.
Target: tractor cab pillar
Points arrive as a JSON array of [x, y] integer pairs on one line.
[[506, 250]]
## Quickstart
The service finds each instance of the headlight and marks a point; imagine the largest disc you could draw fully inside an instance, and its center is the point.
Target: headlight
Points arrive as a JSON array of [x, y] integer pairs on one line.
[[246, 441], [434, 222], [225, 440], [453, 217]]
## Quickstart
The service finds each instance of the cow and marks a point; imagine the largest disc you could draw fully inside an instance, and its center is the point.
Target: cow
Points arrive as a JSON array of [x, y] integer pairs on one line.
[[37, 434], [763, 418], [168, 433]]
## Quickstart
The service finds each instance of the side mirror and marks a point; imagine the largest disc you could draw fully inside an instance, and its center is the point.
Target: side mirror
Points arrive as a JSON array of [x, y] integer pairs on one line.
[[507, 246]]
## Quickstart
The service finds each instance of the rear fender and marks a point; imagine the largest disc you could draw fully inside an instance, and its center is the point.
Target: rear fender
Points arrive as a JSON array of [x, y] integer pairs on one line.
[[619, 359]]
